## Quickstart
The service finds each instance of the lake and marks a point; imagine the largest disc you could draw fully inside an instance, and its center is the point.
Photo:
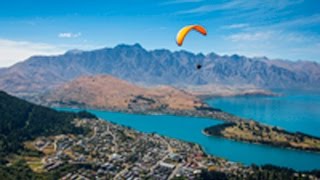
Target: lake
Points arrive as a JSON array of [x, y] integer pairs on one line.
[[293, 112]]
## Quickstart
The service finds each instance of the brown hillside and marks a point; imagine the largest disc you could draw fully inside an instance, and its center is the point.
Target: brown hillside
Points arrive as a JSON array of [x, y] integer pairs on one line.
[[108, 92]]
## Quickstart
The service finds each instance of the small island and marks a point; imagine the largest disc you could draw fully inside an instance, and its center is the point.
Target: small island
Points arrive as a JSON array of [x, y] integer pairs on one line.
[[254, 132]]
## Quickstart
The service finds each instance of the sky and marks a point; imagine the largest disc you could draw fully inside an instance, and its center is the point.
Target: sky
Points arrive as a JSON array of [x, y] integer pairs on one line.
[[278, 29]]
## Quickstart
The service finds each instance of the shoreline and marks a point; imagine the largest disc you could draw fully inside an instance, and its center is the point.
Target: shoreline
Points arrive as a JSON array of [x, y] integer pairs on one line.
[[198, 116], [204, 133], [235, 93], [214, 154]]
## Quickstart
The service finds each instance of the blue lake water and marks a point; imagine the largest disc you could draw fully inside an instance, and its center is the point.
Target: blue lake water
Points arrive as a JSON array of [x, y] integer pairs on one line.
[[293, 111], [189, 129]]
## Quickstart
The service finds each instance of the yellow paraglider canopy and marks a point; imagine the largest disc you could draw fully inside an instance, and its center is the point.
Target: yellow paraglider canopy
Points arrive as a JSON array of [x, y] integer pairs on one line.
[[185, 30]]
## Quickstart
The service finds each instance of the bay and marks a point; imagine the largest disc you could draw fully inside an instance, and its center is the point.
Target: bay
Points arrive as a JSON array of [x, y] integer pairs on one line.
[[190, 129]]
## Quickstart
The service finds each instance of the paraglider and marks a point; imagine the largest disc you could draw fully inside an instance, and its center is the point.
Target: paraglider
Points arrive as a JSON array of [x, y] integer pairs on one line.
[[185, 30]]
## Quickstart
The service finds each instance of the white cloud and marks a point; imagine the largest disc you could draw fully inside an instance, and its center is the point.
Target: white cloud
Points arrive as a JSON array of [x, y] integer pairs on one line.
[[69, 35], [235, 26], [274, 44], [230, 5], [250, 36], [210, 8], [307, 20], [273, 36], [265, 5], [12, 52]]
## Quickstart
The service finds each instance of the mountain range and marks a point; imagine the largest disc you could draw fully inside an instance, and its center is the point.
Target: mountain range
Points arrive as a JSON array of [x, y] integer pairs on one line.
[[157, 67]]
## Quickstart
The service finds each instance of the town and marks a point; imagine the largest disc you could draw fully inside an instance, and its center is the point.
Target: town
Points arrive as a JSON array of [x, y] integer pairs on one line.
[[111, 151]]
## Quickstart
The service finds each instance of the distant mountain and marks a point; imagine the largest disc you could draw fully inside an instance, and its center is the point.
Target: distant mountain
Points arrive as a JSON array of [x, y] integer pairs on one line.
[[107, 92], [135, 64]]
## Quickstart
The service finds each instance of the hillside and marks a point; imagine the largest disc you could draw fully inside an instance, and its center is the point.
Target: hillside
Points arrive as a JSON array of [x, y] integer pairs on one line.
[[21, 121], [107, 92], [137, 65]]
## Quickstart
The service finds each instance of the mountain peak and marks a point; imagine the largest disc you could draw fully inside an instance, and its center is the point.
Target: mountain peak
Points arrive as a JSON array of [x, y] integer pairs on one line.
[[236, 57], [73, 52], [136, 46]]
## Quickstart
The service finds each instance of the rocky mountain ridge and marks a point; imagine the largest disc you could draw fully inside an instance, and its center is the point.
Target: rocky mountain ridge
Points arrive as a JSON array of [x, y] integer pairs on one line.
[[157, 67]]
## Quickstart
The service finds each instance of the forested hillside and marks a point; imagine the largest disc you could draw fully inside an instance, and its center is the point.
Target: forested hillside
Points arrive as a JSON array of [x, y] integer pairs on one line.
[[21, 121]]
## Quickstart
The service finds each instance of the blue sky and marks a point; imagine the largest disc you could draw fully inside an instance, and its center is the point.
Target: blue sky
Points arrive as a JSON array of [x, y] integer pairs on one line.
[[274, 28]]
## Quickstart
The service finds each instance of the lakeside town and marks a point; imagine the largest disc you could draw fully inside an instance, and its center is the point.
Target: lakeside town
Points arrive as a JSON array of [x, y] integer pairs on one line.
[[112, 151]]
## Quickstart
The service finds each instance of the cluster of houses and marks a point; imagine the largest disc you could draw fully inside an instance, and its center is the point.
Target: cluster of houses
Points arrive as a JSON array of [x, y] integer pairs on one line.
[[111, 151]]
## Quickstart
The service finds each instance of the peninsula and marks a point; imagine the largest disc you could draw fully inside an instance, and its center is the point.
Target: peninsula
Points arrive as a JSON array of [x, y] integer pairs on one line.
[[254, 132]]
